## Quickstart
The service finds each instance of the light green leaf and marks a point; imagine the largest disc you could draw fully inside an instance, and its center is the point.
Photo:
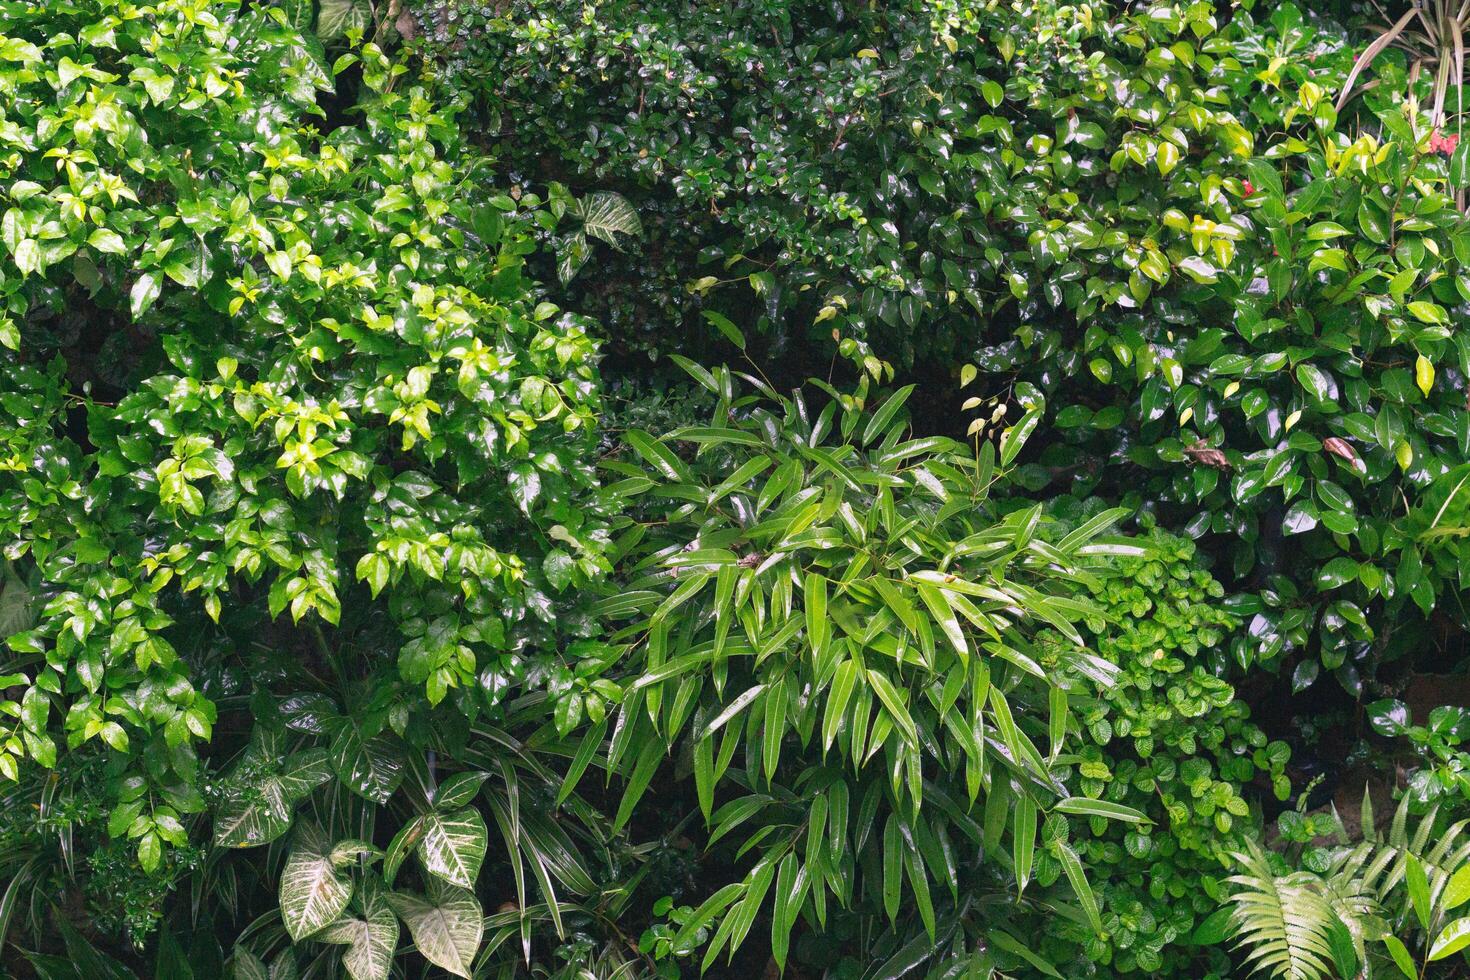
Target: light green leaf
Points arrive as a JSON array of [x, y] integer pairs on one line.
[[606, 215], [446, 924], [259, 812], [313, 891], [335, 18], [1451, 939], [372, 937], [453, 846]]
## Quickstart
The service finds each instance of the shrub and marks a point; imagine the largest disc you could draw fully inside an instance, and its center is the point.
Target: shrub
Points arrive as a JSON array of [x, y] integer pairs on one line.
[[1170, 740], [267, 365], [835, 625], [1237, 304]]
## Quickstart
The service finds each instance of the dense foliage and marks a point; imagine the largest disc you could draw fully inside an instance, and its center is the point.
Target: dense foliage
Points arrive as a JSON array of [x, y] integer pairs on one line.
[[933, 488]]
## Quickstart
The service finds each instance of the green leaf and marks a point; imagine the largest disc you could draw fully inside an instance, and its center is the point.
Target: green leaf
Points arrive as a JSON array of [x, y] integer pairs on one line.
[[659, 456], [371, 767], [878, 424], [1023, 839], [722, 323], [1401, 957], [1100, 808], [1214, 929], [259, 812], [372, 937], [247, 966], [145, 290], [1418, 884], [893, 704], [335, 18], [453, 846], [1451, 939], [1072, 865], [1457, 889], [1340, 945], [446, 924], [313, 891], [606, 215]]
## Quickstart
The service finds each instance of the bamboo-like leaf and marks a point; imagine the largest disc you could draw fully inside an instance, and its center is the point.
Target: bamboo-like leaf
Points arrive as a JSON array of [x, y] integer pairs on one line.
[[1451, 939], [893, 704], [1072, 865], [892, 866], [1023, 840], [843, 682], [1101, 808], [880, 419]]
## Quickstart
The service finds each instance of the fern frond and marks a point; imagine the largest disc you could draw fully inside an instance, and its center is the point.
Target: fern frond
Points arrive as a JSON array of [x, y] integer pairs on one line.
[[1283, 920]]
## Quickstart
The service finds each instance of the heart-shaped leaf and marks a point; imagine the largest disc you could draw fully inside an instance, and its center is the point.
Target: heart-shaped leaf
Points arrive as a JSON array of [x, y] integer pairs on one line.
[[453, 846], [313, 891], [446, 924], [372, 937]]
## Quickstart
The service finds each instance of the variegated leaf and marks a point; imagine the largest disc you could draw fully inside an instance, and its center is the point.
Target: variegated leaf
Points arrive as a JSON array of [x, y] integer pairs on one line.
[[446, 924], [372, 936], [313, 891], [453, 846]]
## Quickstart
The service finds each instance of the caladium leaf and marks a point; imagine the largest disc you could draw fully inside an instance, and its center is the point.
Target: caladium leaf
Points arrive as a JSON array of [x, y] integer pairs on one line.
[[453, 845], [446, 924], [313, 891], [372, 937]]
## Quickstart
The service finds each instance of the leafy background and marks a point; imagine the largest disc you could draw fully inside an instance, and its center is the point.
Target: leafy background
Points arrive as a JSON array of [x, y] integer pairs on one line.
[[929, 488]]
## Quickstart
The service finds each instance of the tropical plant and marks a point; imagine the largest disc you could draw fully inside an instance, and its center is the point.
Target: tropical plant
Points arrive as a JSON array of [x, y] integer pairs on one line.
[[925, 182], [1170, 740], [835, 624], [1384, 902]]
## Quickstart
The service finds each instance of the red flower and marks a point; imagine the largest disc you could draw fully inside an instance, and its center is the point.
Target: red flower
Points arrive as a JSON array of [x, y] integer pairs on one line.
[[1443, 144], [1247, 187]]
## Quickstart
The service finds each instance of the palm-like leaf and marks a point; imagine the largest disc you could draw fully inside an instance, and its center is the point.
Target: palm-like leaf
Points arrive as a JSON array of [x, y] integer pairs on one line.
[[1284, 920]]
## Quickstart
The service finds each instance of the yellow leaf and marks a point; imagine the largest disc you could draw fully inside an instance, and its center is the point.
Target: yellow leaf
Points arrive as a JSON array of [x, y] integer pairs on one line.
[[867, 53], [967, 374], [1231, 389], [1405, 455], [1424, 374], [1167, 157]]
